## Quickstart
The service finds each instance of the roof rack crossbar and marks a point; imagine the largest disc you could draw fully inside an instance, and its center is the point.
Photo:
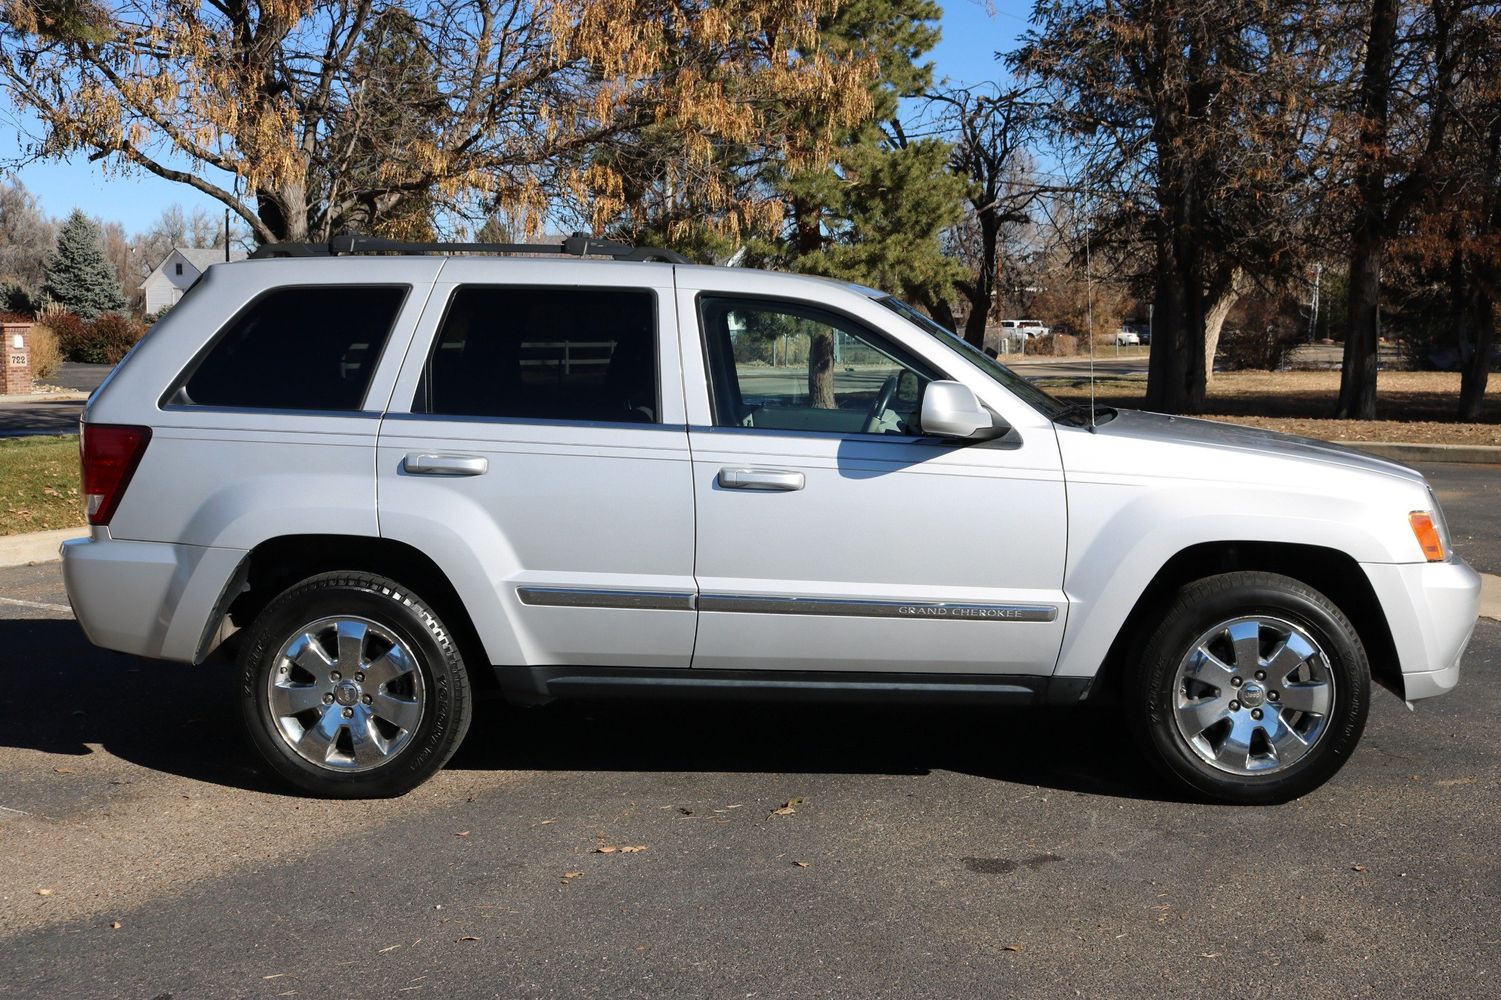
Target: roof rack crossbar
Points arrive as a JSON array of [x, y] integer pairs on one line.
[[577, 245]]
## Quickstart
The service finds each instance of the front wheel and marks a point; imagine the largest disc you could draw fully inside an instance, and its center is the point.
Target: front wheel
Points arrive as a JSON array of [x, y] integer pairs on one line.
[[352, 688], [1254, 689]]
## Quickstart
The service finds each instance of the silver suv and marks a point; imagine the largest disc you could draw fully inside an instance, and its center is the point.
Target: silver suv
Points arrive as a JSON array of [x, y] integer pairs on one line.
[[387, 481]]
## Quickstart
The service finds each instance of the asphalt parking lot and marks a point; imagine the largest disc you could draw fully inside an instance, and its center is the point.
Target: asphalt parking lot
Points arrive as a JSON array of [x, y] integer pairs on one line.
[[928, 853]]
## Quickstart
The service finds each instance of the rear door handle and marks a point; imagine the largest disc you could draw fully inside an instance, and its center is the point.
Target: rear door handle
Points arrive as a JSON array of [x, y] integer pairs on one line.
[[771, 480], [446, 465]]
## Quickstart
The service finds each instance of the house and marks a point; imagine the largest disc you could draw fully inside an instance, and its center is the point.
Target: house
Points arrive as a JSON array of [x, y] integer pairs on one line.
[[170, 279]]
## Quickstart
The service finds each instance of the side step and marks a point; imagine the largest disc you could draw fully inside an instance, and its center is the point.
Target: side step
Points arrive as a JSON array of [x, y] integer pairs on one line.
[[536, 685]]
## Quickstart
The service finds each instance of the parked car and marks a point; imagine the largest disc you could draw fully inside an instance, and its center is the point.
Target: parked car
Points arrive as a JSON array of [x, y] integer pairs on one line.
[[1124, 337], [382, 483], [1025, 328]]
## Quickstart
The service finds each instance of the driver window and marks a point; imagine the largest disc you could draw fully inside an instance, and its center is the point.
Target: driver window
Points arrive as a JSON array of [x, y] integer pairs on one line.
[[787, 366]]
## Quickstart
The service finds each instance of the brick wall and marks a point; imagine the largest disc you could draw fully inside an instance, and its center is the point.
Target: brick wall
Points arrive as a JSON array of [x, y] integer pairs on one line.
[[15, 375]]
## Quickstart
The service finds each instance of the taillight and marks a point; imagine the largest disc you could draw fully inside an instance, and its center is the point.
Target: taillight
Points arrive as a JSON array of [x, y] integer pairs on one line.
[[110, 454]]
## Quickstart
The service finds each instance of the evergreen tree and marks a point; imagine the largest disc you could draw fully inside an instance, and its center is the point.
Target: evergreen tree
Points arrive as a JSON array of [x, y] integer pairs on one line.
[[78, 275], [874, 213]]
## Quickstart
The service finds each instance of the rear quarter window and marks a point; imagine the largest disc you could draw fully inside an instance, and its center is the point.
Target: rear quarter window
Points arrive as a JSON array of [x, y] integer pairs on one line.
[[302, 348]]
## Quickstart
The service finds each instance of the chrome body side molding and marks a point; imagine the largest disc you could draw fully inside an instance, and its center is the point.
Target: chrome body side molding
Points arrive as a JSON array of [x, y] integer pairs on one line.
[[568, 597]]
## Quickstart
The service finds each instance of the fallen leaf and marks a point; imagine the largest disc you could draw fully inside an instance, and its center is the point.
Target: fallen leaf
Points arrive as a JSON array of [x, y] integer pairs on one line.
[[44, 892], [462, 833], [467, 937], [684, 811], [547, 822], [63, 770], [1357, 868], [1015, 947], [619, 849], [606, 849], [567, 876], [114, 925], [801, 864], [789, 807], [392, 947]]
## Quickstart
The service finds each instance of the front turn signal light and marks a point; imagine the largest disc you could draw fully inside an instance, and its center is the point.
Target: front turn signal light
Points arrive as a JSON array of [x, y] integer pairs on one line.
[[1427, 535]]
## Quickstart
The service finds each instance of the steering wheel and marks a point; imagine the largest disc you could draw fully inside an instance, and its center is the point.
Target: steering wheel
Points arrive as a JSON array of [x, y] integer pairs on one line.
[[882, 404]]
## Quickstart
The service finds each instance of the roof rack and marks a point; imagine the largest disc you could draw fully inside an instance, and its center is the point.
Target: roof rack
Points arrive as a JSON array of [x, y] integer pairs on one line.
[[577, 245]]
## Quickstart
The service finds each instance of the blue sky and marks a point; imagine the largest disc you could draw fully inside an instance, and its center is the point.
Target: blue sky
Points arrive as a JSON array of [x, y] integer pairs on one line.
[[972, 32]]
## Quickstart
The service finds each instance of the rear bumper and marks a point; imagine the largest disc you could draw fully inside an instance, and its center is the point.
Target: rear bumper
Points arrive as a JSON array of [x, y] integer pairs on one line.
[[146, 598], [1431, 609]]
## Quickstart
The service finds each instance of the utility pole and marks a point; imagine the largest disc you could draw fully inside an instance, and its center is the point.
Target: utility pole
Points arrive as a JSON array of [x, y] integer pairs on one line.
[[226, 236]]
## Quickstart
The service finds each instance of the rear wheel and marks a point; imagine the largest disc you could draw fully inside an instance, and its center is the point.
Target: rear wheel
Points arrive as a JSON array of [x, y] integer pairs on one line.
[[1254, 689], [352, 688]]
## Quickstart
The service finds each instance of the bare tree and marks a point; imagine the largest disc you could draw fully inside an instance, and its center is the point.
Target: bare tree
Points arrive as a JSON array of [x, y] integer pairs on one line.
[[26, 236], [988, 128]]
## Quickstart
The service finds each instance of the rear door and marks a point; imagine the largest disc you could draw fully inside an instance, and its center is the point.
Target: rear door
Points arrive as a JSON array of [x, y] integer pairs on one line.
[[535, 450]]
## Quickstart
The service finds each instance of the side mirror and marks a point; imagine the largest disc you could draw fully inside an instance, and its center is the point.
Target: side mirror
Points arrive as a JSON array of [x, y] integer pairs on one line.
[[951, 410]]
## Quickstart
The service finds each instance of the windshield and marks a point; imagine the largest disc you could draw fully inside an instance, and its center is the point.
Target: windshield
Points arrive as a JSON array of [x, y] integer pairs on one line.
[[1029, 393]]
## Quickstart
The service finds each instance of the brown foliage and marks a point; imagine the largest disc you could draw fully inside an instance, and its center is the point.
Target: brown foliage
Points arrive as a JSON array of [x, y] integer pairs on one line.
[[110, 337], [527, 94], [46, 355]]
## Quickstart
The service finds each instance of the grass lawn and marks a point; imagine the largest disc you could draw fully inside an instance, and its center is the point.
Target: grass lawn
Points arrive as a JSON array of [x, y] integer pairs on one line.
[[1414, 406], [39, 484]]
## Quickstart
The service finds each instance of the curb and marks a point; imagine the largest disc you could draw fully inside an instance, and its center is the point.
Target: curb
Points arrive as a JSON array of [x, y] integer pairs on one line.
[[1396, 451], [36, 547], [65, 396]]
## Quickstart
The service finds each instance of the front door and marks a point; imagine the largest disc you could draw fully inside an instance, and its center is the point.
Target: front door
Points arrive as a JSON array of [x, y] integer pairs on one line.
[[832, 534]]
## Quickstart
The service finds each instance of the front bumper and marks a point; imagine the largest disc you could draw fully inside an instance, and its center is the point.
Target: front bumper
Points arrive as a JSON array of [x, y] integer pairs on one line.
[[1431, 609], [146, 598]]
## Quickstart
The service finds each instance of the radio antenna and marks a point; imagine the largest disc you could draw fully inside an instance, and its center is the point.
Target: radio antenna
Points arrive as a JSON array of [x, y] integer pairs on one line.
[[1089, 313]]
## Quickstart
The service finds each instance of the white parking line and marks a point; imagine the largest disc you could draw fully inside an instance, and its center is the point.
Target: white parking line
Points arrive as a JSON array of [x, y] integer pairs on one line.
[[38, 605]]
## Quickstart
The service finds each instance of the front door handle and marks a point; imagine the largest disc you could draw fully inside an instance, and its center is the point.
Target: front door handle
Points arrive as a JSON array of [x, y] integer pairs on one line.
[[771, 480], [446, 465]]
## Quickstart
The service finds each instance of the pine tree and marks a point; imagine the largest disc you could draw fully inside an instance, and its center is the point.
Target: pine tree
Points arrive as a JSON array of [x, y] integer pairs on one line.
[[874, 214], [79, 277]]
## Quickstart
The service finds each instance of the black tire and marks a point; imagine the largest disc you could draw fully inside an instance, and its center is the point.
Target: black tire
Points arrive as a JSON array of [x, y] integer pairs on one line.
[[1153, 687], [434, 679]]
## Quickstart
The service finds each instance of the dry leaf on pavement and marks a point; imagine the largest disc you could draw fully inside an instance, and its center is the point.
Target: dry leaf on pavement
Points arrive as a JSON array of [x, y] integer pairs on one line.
[[789, 807]]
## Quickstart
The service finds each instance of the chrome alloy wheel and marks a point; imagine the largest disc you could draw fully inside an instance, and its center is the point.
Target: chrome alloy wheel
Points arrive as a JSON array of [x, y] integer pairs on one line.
[[345, 694], [1253, 695]]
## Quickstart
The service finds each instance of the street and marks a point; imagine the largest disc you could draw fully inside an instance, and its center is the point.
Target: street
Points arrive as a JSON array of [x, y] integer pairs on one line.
[[785, 851]]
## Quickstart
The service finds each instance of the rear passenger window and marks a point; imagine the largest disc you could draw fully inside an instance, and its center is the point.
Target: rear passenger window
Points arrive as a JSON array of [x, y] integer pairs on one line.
[[312, 348], [545, 354]]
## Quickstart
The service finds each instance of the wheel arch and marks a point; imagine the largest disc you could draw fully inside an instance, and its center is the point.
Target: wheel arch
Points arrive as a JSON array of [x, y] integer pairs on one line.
[[1333, 573], [278, 563]]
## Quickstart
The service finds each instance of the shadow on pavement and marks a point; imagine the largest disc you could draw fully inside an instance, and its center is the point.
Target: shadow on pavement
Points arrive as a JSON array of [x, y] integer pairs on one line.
[[61, 694], [1082, 750]]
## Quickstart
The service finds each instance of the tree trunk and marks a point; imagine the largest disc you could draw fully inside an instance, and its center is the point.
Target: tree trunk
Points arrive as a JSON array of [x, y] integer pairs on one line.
[[1223, 295], [1481, 306], [1175, 368], [1357, 383], [809, 234], [944, 314], [984, 286]]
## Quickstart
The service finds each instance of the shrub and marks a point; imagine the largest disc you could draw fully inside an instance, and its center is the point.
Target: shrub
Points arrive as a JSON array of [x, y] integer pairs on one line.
[[1057, 344], [14, 298], [46, 355], [68, 329], [110, 337]]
